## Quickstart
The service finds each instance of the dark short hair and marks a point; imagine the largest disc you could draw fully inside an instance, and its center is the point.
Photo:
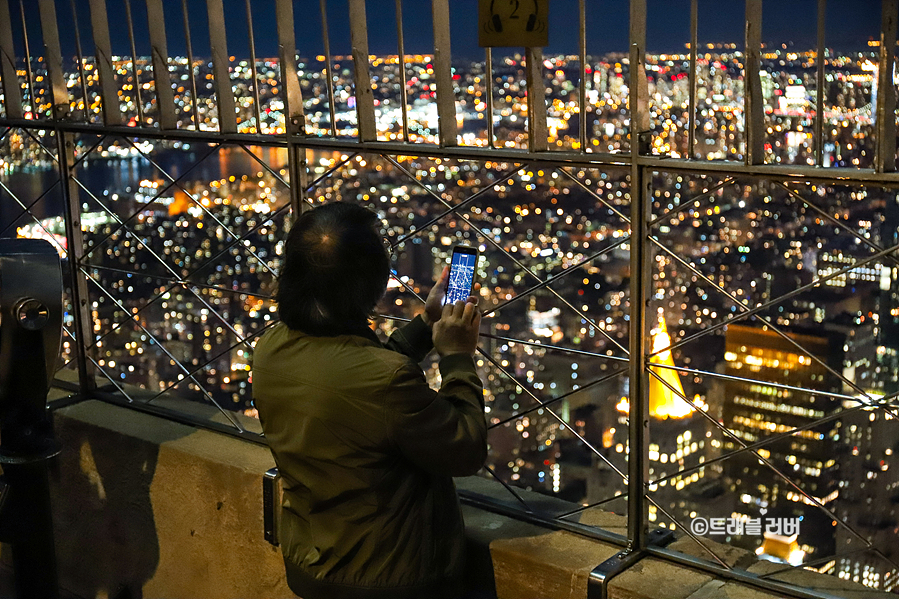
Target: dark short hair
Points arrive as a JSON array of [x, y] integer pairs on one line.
[[335, 270]]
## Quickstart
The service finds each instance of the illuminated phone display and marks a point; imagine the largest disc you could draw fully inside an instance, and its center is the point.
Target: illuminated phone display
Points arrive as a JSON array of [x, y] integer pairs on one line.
[[460, 281]]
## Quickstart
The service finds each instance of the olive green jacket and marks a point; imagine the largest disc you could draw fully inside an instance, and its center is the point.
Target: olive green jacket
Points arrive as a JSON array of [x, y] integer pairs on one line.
[[367, 450]]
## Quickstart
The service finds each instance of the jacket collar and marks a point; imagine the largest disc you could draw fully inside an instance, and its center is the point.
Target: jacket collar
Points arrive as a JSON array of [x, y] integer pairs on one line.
[[361, 331]]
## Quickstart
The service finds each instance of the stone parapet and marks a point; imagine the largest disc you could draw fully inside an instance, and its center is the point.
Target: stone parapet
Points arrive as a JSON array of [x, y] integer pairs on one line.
[[147, 507]]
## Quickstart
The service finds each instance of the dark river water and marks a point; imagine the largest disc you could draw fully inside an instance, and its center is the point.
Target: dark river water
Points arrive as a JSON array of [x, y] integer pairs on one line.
[[121, 176]]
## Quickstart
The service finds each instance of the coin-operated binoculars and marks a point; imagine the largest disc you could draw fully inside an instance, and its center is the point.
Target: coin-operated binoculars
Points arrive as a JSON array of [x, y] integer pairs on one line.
[[30, 332]]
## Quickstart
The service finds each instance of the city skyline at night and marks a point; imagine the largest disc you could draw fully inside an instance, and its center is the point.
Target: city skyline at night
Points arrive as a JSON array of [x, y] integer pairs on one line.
[[184, 237]]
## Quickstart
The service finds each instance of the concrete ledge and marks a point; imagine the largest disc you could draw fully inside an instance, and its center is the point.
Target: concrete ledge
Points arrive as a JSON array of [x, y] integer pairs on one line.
[[159, 509], [146, 507]]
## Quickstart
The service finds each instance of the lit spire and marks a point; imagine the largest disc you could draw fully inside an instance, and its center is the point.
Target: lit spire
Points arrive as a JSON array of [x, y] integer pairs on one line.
[[663, 402]]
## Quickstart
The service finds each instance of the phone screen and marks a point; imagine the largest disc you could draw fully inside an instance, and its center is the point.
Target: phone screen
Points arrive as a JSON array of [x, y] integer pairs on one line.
[[461, 275]]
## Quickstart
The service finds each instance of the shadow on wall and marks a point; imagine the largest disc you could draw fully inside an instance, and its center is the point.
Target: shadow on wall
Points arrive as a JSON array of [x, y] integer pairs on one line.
[[109, 547]]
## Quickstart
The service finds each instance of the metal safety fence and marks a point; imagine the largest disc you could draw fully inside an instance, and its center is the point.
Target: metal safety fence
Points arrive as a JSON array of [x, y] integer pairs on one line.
[[689, 314]]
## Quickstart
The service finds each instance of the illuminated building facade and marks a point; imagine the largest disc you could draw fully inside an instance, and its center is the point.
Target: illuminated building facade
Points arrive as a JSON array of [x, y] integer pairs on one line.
[[869, 498], [755, 411]]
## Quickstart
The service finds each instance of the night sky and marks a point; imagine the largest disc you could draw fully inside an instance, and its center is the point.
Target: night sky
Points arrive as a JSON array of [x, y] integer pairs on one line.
[[849, 25]]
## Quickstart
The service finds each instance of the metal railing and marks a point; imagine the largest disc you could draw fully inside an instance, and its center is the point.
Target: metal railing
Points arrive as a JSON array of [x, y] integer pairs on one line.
[[69, 118]]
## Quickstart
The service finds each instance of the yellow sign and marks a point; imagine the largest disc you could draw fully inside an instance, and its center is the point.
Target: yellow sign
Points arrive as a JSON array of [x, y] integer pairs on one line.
[[513, 23]]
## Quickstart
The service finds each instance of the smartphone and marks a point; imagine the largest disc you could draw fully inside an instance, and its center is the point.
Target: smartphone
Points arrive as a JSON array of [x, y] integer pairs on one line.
[[460, 281]]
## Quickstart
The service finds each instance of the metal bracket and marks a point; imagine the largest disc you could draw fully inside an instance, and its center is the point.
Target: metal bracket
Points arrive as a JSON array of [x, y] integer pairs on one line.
[[598, 582], [271, 505]]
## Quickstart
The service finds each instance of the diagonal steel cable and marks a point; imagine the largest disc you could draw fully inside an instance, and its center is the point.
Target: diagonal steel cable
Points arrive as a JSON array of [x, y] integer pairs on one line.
[[265, 166], [730, 377], [174, 360], [689, 532], [214, 311], [595, 195], [565, 272], [210, 214], [37, 221], [5, 133], [767, 322], [180, 281], [509, 488], [185, 286], [762, 307], [539, 402], [515, 260], [161, 295], [814, 562], [160, 260], [83, 156], [241, 341], [175, 281], [27, 209], [692, 203], [569, 350], [536, 287], [46, 150], [111, 380], [774, 438], [558, 398], [561, 420], [67, 332], [487, 468], [814, 501], [843, 226], [467, 201], [270, 217], [764, 461], [90, 250], [584, 508], [122, 227]]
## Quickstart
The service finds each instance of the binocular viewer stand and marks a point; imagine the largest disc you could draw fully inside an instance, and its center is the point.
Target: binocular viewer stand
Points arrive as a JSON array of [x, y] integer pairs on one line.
[[30, 333]]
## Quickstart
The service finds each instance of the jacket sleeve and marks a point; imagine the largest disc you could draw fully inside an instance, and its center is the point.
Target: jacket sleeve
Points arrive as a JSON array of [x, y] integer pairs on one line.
[[413, 340], [443, 432]]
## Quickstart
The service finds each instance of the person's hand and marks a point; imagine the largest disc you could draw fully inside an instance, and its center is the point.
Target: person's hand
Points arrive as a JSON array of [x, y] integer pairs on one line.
[[434, 302], [457, 330]]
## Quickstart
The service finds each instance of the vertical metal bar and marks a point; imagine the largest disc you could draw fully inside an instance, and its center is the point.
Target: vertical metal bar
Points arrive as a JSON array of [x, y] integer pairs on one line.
[[12, 91], [53, 58], [488, 73], [294, 122], [190, 66], [81, 311], [582, 92], [365, 99], [537, 132], [694, 43], [639, 87], [80, 54], [224, 92], [28, 69], [299, 178], [112, 115], [137, 94], [165, 97], [257, 111], [326, 39], [819, 93], [885, 153], [401, 54], [638, 418], [753, 112], [443, 73]]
